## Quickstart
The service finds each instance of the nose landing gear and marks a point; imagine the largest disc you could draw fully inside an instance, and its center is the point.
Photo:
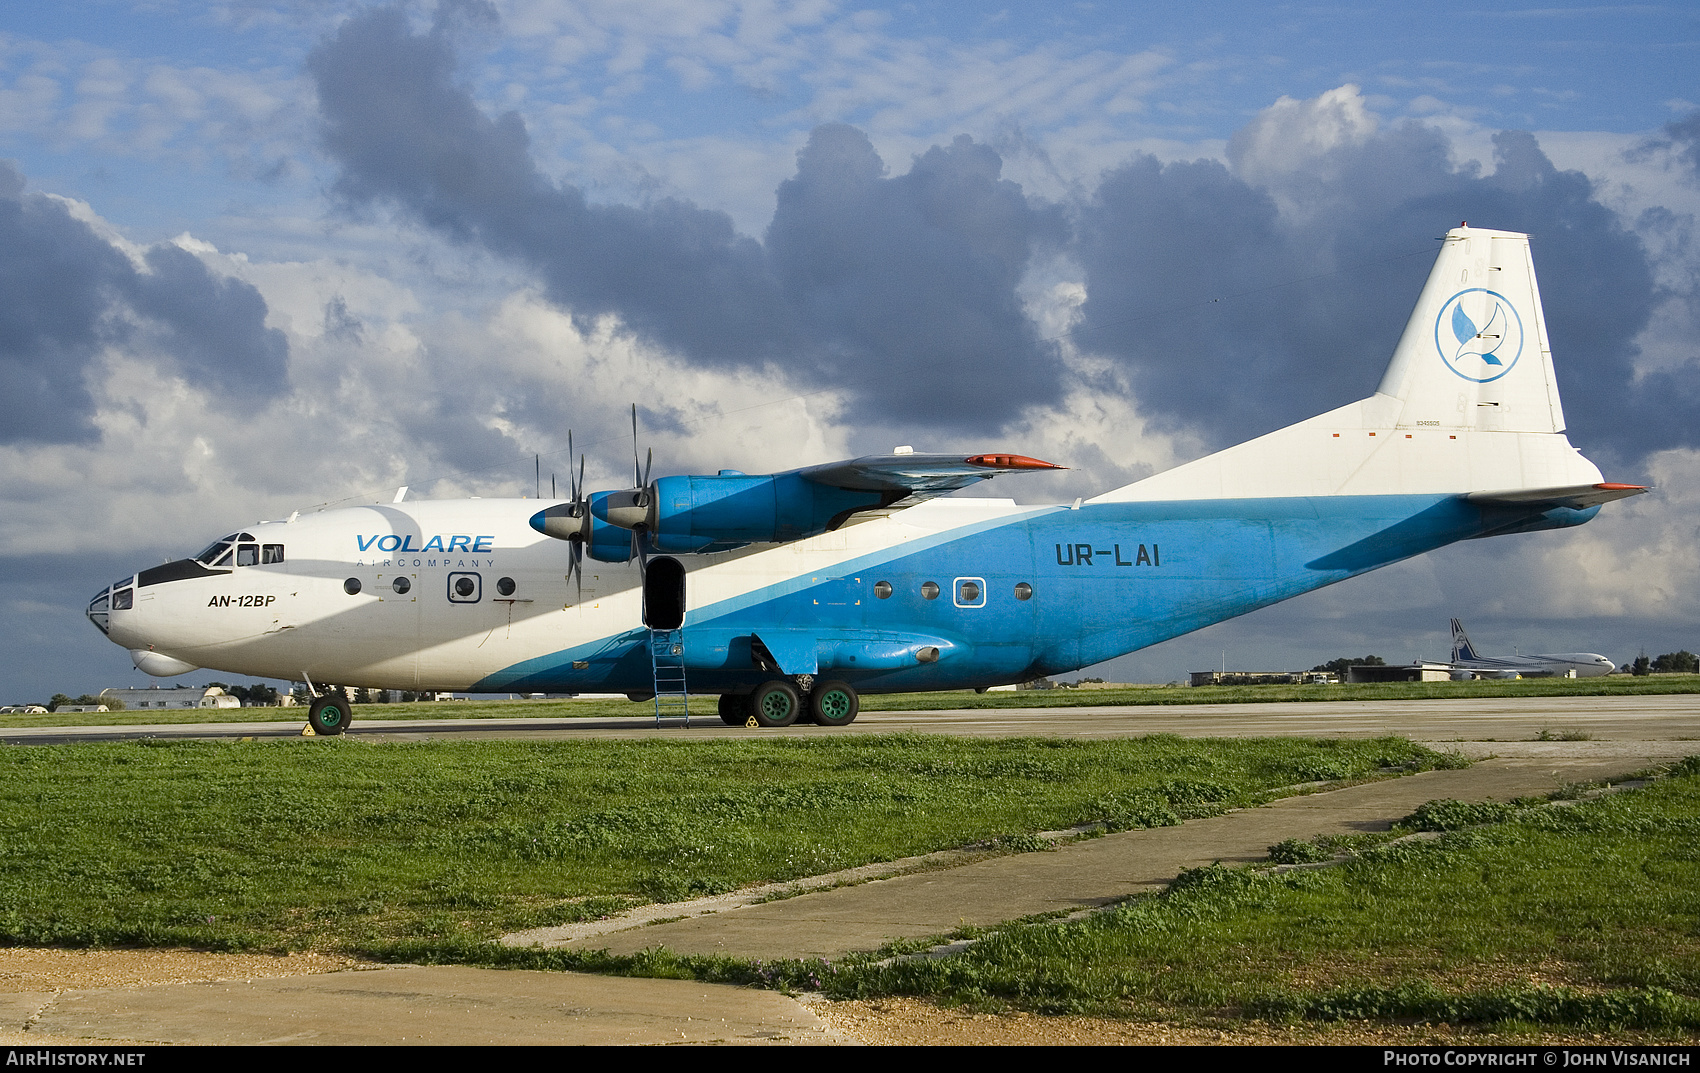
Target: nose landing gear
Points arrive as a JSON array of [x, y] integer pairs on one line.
[[328, 716]]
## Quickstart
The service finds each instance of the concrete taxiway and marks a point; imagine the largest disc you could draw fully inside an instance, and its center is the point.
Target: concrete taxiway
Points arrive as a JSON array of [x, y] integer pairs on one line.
[[1500, 719]]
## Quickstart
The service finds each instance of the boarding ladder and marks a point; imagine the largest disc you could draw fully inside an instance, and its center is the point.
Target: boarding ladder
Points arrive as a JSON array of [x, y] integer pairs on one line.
[[667, 656]]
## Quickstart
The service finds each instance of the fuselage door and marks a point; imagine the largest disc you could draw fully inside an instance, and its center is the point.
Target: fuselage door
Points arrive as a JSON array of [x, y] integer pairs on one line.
[[664, 594]]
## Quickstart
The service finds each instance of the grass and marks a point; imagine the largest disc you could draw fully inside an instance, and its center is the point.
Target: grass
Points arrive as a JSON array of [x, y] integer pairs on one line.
[[430, 850], [1526, 913], [704, 706], [1582, 914]]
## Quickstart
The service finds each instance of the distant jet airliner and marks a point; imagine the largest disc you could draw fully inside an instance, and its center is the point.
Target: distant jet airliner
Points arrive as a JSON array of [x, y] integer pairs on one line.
[[788, 594], [1466, 663]]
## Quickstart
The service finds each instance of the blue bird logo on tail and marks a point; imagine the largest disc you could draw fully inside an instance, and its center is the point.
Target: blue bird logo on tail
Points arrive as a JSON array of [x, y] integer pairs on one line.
[[1479, 335]]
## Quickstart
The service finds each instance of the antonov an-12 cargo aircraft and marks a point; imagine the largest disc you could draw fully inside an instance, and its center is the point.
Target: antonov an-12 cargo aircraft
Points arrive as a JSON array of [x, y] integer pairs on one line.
[[789, 594]]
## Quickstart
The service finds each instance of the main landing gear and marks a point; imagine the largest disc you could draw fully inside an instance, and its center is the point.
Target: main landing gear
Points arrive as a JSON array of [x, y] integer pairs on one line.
[[778, 702]]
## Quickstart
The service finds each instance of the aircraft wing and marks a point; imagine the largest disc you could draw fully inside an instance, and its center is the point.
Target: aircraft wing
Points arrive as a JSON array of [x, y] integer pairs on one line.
[[917, 477], [1574, 496]]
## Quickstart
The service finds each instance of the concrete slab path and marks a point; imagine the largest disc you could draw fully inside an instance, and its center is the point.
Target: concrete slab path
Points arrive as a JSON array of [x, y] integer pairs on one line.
[[829, 924]]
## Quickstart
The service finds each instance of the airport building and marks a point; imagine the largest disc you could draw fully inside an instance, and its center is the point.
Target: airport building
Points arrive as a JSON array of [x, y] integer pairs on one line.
[[1421, 671], [1261, 678], [179, 697]]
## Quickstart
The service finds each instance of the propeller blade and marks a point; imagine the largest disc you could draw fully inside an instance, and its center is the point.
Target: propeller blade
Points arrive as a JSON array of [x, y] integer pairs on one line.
[[575, 566], [572, 488], [637, 478], [648, 462]]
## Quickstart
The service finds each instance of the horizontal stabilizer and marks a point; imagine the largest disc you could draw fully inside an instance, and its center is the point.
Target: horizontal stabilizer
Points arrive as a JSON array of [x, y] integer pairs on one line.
[[1575, 496]]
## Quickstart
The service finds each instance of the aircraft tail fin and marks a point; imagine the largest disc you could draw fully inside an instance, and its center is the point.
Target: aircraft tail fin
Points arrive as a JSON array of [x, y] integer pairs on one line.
[[1461, 647], [1475, 353], [1468, 404]]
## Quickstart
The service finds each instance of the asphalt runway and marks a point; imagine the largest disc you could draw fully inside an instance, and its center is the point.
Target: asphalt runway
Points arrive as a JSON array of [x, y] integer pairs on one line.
[[1669, 718]]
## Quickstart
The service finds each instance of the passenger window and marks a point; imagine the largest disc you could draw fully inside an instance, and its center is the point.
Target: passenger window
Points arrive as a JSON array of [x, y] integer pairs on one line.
[[271, 553], [401, 585], [465, 588], [351, 586], [882, 589], [929, 590], [505, 586], [970, 592], [247, 555], [1023, 591]]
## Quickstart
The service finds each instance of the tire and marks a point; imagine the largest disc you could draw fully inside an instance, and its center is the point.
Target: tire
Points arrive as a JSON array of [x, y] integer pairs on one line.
[[734, 709], [329, 715], [775, 703], [833, 704]]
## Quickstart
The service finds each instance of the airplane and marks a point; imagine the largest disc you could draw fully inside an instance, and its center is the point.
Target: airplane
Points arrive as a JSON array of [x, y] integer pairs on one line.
[[1467, 664], [791, 594]]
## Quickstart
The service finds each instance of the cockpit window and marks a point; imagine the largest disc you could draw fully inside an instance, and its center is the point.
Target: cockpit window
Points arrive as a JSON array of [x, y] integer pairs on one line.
[[271, 553], [219, 551]]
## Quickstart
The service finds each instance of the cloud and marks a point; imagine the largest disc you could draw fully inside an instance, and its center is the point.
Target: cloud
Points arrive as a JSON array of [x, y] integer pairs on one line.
[[57, 280], [900, 290], [214, 326], [1183, 262], [67, 293], [1682, 140]]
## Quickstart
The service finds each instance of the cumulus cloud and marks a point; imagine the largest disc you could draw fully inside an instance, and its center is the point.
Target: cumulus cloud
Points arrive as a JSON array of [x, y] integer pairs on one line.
[[1179, 261], [1681, 138], [895, 289], [66, 293]]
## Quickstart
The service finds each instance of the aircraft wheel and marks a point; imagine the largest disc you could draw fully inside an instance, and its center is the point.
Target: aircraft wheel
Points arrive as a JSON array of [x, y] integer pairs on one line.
[[329, 715], [833, 704], [734, 709], [775, 704]]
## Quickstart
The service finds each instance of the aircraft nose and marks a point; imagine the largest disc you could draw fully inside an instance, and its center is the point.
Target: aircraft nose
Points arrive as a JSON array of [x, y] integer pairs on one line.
[[118, 596], [99, 607]]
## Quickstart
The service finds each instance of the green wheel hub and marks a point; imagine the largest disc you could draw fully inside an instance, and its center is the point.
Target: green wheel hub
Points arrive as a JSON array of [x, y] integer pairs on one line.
[[776, 706], [835, 704]]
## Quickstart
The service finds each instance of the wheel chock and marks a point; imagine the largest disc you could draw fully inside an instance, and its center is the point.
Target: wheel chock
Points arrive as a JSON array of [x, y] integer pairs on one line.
[[308, 731]]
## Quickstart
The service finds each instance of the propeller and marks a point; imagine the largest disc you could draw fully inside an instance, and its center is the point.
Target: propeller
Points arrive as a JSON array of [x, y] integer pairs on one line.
[[630, 508], [642, 496], [579, 510]]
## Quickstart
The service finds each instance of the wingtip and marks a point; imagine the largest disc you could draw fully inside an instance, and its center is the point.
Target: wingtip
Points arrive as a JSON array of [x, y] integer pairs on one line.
[[1001, 461]]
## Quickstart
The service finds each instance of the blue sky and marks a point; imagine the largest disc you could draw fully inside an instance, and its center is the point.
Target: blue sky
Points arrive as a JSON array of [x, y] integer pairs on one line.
[[1093, 163]]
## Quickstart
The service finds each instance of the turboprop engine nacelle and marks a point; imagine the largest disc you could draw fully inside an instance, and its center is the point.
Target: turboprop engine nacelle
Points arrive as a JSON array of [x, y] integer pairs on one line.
[[581, 521], [731, 509]]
